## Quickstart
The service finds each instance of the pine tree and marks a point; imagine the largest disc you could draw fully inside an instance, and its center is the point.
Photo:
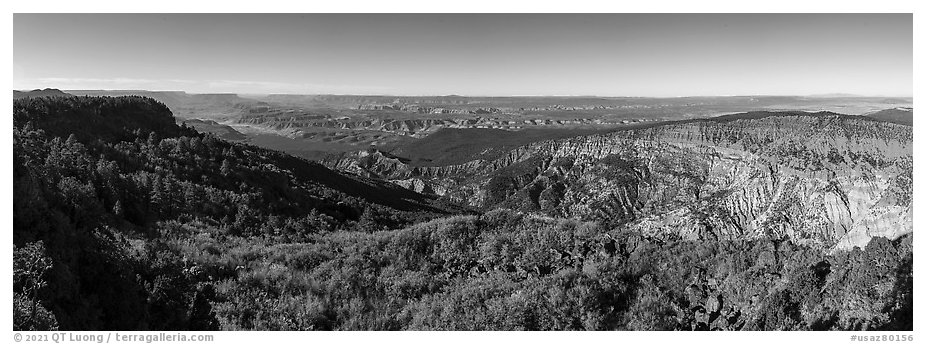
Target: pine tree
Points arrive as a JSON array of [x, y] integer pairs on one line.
[[201, 317], [117, 209], [153, 139], [226, 169]]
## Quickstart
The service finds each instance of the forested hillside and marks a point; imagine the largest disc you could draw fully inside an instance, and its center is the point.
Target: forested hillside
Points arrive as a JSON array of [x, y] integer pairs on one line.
[[95, 177], [125, 220]]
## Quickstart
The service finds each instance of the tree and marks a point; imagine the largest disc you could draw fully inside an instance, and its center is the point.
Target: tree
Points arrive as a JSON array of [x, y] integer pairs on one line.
[[367, 221], [226, 169], [153, 139], [117, 209], [653, 310], [201, 317], [30, 264]]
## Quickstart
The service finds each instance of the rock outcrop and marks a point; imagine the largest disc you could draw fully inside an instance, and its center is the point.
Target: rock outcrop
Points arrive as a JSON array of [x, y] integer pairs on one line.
[[824, 179]]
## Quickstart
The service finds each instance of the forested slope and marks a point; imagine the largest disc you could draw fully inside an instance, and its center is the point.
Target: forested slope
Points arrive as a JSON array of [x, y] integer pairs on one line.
[[95, 177]]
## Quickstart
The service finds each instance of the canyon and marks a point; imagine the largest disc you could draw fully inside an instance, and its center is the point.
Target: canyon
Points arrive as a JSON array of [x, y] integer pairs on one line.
[[704, 171], [826, 179]]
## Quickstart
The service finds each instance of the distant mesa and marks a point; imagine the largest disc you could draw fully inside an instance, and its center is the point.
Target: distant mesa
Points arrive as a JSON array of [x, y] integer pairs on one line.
[[835, 95], [48, 92], [899, 115]]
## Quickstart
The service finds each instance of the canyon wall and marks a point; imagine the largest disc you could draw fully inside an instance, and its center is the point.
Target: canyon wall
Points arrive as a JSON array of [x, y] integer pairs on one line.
[[824, 179]]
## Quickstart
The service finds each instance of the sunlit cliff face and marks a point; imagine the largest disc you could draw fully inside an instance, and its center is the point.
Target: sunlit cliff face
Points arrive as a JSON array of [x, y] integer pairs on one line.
[[827, 180]]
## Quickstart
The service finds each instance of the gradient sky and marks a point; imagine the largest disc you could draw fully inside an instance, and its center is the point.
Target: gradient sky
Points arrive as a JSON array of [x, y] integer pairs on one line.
[[661, 55]]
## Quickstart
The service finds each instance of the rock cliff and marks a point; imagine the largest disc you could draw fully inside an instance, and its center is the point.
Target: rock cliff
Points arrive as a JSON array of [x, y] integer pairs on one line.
[[822, 178]]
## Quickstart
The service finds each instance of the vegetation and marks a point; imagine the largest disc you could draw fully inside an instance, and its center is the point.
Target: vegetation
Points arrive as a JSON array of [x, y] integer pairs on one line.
[[95, 177], [124, 220], [507, 271]]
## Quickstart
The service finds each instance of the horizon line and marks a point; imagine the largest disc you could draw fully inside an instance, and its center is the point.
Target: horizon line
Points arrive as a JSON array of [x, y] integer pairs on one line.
[[822, 95]]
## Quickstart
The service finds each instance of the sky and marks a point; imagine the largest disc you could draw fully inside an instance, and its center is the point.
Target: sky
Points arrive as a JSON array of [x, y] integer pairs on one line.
[[641, 55]]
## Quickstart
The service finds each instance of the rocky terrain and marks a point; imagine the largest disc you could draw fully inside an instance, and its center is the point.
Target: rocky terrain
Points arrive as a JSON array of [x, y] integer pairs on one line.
[[219, 130], [554, 106], [413, 127], [315, 126], [823, 178]]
